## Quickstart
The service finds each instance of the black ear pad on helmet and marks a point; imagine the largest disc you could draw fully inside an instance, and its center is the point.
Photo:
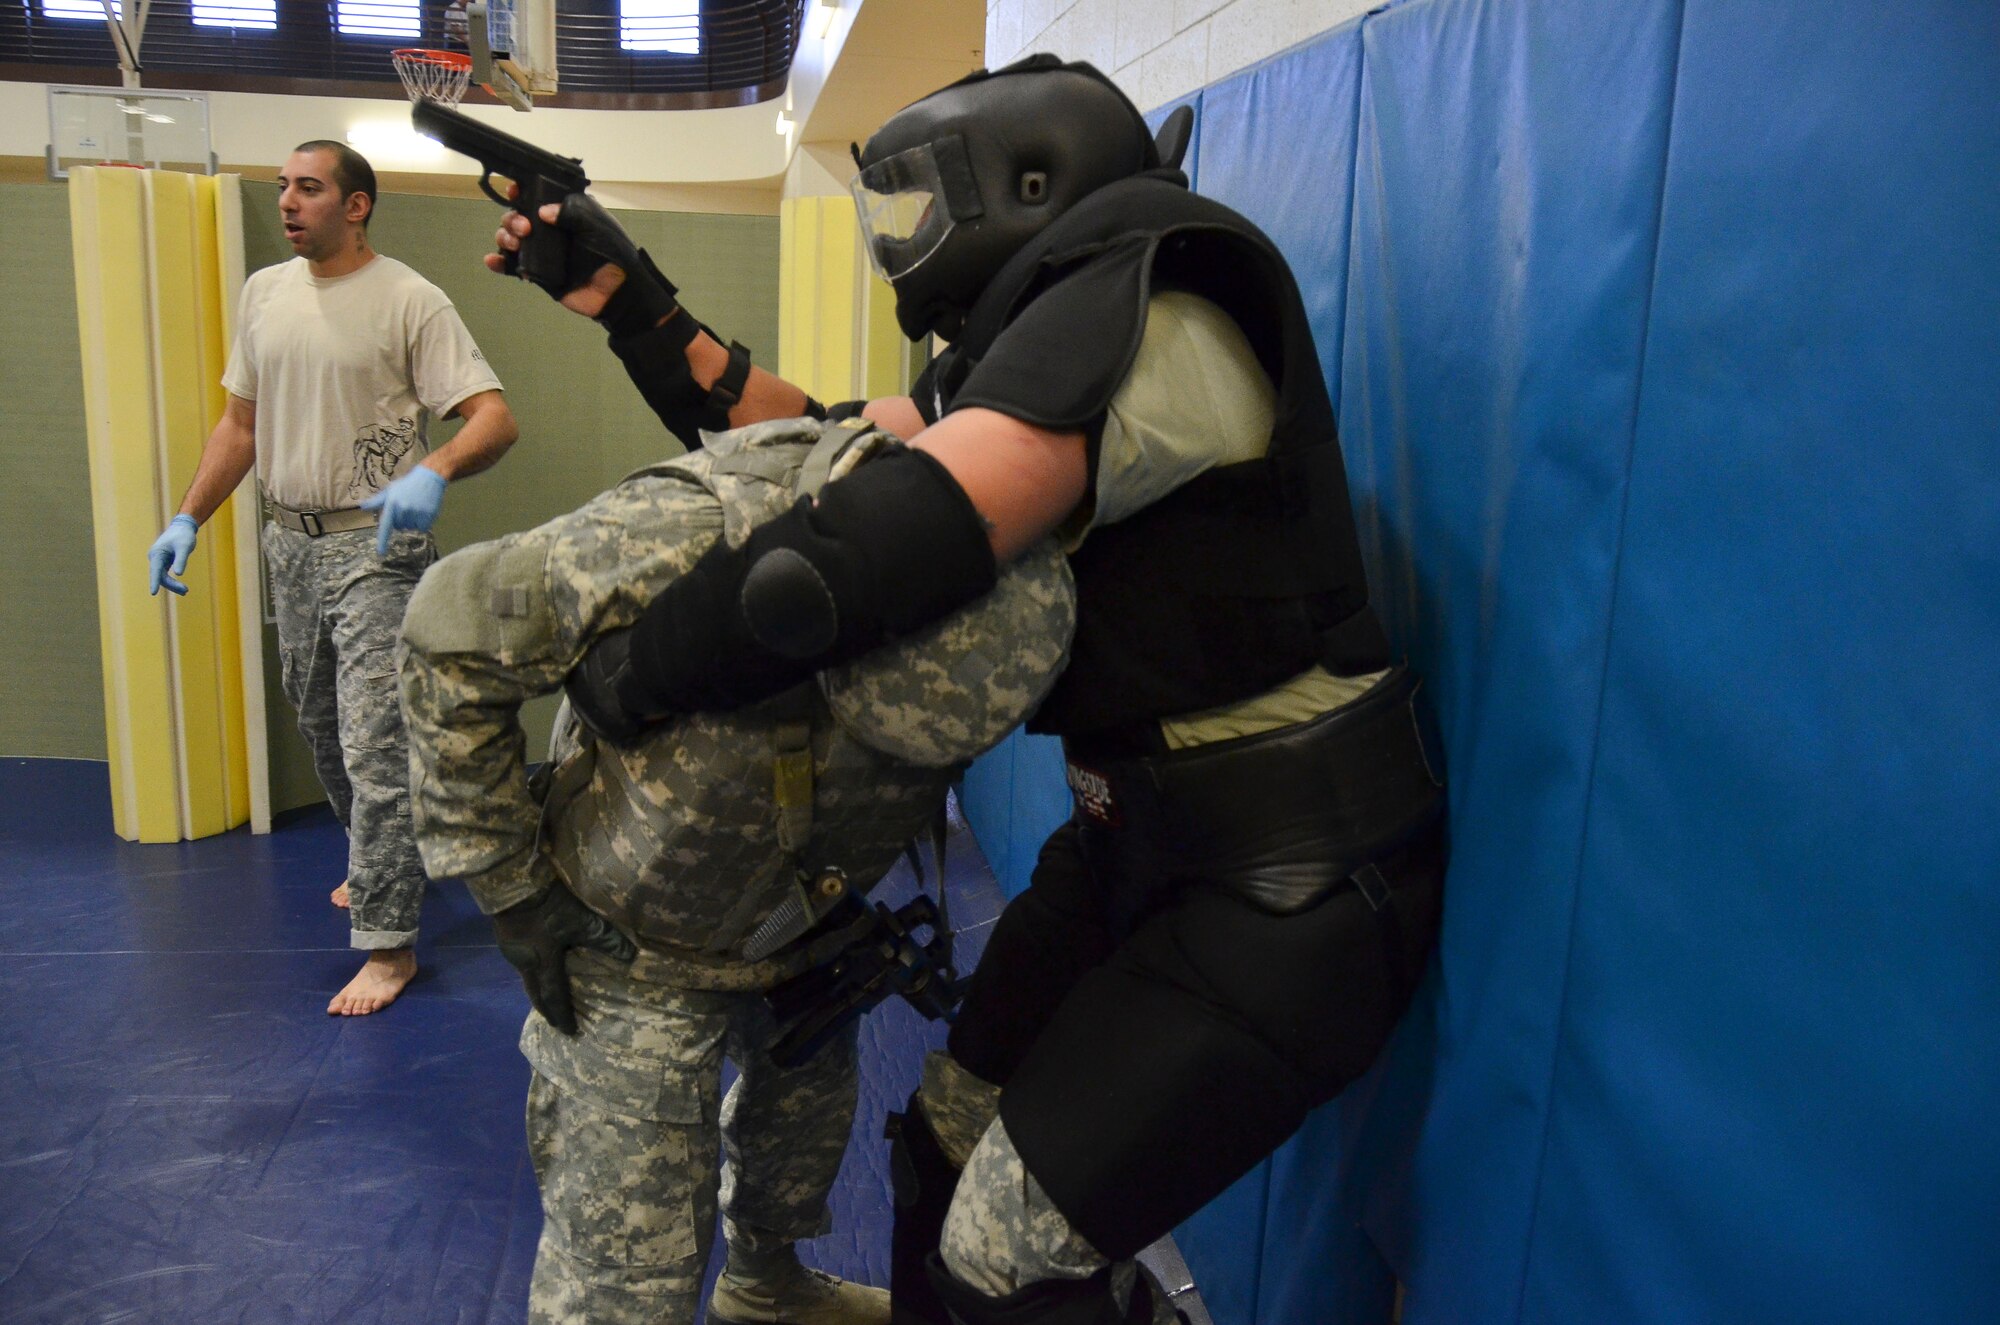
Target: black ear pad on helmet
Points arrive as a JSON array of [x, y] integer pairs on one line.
[[1032, 139], [1174, 136]]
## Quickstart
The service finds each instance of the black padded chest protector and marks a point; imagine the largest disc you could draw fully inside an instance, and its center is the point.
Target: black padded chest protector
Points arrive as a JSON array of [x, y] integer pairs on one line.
[[1243, 577]]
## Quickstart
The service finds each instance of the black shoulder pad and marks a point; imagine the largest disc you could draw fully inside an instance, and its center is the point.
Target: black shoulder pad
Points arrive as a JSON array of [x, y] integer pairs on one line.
[[1059, 362]]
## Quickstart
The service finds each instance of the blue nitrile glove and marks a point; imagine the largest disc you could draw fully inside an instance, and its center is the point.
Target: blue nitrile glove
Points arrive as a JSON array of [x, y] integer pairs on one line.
[[411, 502], [170, 552]]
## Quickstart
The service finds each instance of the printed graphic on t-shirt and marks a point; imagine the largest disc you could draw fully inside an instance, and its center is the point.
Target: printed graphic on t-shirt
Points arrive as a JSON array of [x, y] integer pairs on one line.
[[377, 452]]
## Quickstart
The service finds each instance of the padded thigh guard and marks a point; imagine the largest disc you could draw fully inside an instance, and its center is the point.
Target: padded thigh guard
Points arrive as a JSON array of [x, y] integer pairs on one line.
[[1171, 1070], [889, 548], [1043, 943]]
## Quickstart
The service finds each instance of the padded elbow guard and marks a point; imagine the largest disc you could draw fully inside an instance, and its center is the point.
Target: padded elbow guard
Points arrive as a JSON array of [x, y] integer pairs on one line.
[[656, 361], [890, 548]]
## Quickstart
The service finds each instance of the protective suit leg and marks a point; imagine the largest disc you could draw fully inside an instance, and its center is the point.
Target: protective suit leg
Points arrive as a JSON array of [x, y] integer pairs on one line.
[[1006, 1249], [1043, 943], [1207, 1038]]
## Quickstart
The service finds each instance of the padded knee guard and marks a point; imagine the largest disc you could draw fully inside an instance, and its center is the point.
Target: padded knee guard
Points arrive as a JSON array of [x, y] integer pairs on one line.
[[923, 1180], [1050, 1302]]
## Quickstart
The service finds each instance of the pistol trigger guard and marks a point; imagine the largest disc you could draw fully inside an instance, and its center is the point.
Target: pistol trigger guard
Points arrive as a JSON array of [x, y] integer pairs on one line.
[[486, 187], [510, 259]]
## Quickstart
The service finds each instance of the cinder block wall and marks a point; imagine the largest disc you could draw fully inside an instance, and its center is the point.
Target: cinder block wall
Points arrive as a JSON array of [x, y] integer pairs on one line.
[[1158, 50]]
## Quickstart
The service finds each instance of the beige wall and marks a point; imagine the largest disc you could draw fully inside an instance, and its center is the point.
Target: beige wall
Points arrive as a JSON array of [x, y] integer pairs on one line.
[[1158, 50]]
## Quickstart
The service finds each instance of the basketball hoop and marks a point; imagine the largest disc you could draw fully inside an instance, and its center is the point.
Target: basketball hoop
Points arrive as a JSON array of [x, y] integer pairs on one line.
[[441, 76]]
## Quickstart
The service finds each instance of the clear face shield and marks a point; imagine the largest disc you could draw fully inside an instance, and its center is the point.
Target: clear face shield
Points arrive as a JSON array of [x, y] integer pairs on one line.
[[905, 214]]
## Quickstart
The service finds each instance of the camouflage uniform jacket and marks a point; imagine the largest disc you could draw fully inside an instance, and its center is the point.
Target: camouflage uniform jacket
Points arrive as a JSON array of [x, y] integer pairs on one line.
[[682, 840]]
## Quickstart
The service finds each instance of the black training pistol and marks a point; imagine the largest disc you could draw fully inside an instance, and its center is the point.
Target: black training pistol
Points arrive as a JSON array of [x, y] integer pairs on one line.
[[543, 177]]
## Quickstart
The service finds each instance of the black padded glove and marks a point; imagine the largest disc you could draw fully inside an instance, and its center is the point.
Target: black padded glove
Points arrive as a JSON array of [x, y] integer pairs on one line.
[[603, 693], [643, 299], [534, 936]]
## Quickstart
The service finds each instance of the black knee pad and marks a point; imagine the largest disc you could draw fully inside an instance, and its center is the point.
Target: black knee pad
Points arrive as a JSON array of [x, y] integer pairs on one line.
[[1042, 944], [1173, 1069]]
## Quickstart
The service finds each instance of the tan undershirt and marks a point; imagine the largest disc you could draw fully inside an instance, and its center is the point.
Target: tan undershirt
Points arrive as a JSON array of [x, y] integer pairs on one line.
[[1301, 699]]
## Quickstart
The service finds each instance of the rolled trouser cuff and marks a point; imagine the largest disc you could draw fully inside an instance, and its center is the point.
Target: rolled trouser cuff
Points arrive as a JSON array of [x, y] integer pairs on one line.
[[378, 940]]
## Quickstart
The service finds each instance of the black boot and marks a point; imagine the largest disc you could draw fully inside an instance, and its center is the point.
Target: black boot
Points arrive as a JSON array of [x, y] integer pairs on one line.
[[1050, 1302], [924, 1180]]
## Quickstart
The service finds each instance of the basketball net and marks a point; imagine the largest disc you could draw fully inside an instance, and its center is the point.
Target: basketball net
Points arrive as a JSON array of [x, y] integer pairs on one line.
[[442, 76]]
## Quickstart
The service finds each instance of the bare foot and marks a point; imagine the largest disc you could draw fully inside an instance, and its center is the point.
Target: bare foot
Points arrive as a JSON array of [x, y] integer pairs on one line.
[[382, 977], [340, 895]]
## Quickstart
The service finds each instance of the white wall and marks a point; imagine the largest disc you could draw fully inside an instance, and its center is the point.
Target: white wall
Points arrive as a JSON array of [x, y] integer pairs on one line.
[[1160, 49]]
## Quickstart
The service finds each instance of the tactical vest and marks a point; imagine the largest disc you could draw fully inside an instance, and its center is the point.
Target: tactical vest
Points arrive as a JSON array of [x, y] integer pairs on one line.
[[1246, 575], [691, 839]]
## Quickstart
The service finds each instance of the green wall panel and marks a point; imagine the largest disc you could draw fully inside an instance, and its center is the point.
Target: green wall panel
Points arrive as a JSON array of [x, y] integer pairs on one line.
[[51, 682], [582, 428]]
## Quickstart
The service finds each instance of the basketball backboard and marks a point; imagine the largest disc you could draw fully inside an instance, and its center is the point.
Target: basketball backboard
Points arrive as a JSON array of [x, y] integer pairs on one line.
[[91, 126], [513, 46]]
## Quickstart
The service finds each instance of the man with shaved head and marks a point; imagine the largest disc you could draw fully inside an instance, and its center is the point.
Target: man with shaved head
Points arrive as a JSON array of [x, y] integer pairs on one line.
[[341, 357]]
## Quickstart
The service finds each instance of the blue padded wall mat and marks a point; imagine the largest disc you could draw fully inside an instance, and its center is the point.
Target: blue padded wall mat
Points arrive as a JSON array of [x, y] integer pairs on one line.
[[1663, 338], [1293, 177], [1014, 796], [1781, 1045], [1505, 218]]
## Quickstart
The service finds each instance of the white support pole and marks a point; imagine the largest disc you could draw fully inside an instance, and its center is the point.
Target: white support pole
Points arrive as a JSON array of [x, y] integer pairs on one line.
[[126, 40]]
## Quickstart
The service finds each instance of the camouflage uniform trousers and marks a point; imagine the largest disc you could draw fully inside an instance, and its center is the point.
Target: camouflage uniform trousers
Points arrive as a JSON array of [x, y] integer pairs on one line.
[[1003, 1232], [340, 613], [624, 1132]]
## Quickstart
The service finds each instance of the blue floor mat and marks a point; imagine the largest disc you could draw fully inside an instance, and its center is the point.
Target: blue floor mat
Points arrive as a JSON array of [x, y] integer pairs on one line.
[[185, 1135]]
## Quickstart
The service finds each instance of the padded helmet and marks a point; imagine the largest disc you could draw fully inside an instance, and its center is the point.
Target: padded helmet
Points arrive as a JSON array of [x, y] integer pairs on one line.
[[954, 184]]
